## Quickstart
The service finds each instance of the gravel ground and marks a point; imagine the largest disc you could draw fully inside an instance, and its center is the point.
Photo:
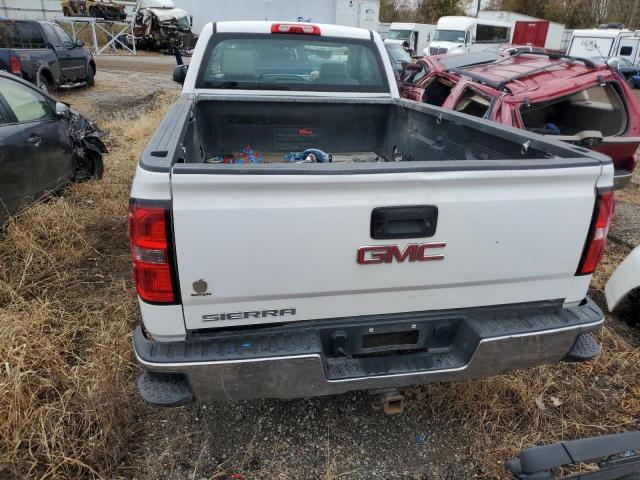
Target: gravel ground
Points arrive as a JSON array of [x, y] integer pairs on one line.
[[344, 436]]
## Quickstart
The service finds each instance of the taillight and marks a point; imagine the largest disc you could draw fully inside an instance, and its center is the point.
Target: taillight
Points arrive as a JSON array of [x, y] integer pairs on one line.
[[151, 251], [14, 65], [303, 28], [597, 238]]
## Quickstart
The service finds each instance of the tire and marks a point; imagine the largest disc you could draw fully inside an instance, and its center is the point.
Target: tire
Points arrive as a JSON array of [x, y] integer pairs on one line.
[[43, 83], [90, 76], [65, 12], [91, 167], [93, 12]]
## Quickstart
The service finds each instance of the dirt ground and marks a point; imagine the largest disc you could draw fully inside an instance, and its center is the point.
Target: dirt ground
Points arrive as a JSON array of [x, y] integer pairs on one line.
[[460, 432]]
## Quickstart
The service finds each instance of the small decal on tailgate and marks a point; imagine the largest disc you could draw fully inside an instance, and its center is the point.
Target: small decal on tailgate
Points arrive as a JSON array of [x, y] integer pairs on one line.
[[200, 287]]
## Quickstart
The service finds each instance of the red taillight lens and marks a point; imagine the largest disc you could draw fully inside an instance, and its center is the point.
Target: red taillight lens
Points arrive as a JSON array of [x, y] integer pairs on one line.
[[597, 233], [14, 65], [151, 252], [303, 28]]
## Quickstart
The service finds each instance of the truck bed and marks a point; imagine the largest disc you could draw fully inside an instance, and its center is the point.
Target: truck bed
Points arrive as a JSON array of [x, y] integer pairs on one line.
[[352, 132]]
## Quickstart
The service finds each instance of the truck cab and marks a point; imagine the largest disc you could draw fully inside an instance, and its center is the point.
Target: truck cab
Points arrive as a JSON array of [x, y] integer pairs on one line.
[[414, 37], [456, 34], [44, 54]]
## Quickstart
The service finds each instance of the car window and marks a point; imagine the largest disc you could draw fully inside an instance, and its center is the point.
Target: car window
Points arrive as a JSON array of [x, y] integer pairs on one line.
[[4, 116], [64, 38], [492, 34], [596, 108], [51, 33], [437, 91], [291, 62], [398, 54], [26, 103], [416, 77], [626, 50], [31, 35], [473, 103], [21, 35]]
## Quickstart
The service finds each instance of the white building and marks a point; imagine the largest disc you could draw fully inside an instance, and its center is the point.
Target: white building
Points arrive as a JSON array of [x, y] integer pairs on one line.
[[30, 9]]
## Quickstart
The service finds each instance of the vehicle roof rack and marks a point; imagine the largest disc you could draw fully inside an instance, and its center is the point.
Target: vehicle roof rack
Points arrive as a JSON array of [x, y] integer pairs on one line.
[[554, 55], [498, 85], [502, 84]]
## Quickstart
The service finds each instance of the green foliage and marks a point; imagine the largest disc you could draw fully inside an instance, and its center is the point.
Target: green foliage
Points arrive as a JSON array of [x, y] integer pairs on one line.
[[421, 11], [572, 13], [576, 13]]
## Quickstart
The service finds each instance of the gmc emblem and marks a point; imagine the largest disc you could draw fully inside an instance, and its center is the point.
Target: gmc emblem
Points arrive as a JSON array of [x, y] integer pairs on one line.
[[413, 252]]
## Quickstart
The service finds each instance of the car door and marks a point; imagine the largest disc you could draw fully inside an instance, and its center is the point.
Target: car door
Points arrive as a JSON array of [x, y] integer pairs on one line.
[[413, 87], [73, 59], [17, 183], [37, 137]]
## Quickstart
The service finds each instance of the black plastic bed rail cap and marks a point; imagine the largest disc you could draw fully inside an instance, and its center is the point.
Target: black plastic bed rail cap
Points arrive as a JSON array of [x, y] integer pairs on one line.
[[538, 463]]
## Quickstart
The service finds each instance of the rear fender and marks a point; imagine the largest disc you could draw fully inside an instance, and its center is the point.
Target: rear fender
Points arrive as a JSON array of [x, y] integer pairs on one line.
[[624, 280], [44, 70]]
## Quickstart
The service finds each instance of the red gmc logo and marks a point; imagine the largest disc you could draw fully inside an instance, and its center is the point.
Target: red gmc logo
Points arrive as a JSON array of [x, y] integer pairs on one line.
[[413, 252]]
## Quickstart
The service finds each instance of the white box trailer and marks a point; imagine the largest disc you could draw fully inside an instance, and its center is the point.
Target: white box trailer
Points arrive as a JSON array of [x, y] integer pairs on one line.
[[351, 13], [554, 34], [605, 43], [30, 9], [415, 36]]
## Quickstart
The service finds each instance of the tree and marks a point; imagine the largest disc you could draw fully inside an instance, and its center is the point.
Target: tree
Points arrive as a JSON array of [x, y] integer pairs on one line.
[[421, 11], [429, 11]]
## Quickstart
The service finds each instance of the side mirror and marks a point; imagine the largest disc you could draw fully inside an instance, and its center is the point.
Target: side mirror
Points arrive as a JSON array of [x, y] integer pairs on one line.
[[408, 70], [79, 43], [180, 73], [62, 110]]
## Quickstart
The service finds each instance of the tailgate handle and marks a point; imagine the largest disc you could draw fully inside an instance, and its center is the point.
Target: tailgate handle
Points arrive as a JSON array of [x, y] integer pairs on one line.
[[404, 222]]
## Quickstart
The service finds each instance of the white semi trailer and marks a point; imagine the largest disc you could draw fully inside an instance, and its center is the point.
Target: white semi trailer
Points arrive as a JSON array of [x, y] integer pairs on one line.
[[351, 13]]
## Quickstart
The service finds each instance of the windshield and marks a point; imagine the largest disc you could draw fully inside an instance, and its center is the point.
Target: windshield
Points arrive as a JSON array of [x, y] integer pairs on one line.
[[399, 34], [398, 54], [291, 62], [183, 23], [449, 35]]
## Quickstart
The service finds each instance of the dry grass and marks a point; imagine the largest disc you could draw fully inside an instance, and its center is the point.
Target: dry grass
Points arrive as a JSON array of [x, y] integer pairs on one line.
[[67, 309], [631, 193]]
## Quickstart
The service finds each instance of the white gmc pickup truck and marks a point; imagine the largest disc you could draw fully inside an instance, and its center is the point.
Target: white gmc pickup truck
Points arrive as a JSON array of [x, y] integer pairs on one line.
[[297, 229]]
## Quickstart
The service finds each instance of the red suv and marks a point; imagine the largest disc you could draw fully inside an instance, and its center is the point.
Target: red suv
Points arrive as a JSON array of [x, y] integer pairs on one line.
[[572, 99]]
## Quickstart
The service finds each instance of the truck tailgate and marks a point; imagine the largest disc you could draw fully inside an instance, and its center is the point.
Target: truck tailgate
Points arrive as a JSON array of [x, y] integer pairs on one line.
[[256, 248]]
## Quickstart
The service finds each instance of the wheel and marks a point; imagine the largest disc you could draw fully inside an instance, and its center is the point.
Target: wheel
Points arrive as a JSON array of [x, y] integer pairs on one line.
[[90, 76], [89, 167], [65, 12], [42, 82], [93, 12]]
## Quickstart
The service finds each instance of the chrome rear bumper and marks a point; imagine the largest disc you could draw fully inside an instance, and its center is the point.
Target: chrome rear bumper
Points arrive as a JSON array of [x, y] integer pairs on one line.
[[296, 360]]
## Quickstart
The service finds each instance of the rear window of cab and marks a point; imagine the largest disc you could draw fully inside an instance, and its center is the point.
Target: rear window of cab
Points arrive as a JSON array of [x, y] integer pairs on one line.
[[21, 35], [291, 62]]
